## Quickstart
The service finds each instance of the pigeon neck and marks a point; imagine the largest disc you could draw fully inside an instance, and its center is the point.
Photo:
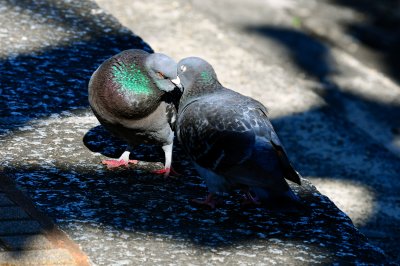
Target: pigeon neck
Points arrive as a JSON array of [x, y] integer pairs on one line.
[[131, 78], [197, 90]]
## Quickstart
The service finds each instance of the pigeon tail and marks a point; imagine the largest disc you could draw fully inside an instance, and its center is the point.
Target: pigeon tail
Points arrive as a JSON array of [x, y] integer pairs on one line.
[[265, 194], [288, 171], [284, 202]]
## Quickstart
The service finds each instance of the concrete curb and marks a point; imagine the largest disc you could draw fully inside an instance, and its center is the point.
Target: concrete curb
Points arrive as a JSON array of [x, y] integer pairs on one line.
[[28, 236]]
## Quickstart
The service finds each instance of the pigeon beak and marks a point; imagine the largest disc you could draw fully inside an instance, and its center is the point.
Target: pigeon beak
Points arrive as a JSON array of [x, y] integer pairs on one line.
[[177, 82]]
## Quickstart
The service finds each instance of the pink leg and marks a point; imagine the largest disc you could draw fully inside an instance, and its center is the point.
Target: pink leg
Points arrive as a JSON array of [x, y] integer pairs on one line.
[[168, 160], [208, 202]]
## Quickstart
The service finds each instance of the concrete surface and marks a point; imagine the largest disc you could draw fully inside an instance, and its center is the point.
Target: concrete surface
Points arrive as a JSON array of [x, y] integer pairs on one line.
[[133, 217], [332, 99], [329, 121]]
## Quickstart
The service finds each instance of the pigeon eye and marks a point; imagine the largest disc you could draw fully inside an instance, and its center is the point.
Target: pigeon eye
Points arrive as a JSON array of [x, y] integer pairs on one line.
[[183, 68], [161, 75]]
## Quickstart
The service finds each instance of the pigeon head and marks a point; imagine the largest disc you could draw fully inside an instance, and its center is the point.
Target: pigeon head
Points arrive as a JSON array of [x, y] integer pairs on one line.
[[162, 69], [195, 73]]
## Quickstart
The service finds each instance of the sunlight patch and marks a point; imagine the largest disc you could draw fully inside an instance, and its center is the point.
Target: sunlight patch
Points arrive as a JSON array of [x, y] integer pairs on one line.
[[356, 200]]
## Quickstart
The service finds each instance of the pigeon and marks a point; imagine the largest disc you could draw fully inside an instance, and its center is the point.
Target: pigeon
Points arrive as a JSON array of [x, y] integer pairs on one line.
[[134, 97], [230, 139]]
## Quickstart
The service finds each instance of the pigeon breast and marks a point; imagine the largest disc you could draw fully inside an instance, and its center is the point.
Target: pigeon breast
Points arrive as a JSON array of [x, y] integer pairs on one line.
[[121, 88]]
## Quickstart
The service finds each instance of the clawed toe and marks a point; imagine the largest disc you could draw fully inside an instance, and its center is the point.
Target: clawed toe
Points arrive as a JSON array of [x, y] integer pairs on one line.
[[118, 163], [203, 203], [209, 202], [166, 172], [250, 201]]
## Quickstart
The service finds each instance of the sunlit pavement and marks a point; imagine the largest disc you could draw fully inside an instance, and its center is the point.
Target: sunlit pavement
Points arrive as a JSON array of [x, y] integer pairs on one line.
[[52, 145]]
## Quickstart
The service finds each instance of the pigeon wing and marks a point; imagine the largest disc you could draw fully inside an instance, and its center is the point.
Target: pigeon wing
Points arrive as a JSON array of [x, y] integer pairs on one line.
[[228, 135], [287, 168], [213, 134]]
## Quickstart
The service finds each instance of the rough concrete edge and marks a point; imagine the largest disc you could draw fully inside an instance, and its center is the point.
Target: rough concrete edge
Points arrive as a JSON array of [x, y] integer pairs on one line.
[[368, 242], [55, 235]]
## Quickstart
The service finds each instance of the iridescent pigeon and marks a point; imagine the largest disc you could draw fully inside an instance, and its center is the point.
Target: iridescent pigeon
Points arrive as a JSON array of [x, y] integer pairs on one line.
[[230, 139], [132, 95]]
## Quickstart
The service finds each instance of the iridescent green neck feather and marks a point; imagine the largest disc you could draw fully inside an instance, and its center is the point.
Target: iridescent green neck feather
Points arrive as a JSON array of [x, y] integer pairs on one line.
[[206, 78], [131, 78]]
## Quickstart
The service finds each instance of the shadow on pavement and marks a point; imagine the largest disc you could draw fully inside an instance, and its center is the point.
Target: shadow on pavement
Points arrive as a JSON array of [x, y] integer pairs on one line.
[[331, 141], [99, 140], [309, 54], [380, 30], [83, 200]]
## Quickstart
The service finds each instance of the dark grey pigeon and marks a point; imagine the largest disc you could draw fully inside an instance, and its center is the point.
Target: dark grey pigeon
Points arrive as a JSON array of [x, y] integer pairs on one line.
[[132, 95], [230, 139]]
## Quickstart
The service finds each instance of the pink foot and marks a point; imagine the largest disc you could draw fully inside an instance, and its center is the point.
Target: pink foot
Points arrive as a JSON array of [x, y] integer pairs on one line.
[[114, 163], [209, 202], [249, 200], [166, 172]]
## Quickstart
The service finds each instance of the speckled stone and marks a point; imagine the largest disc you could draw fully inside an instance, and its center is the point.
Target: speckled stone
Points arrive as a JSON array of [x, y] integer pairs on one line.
[[52, 145]]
